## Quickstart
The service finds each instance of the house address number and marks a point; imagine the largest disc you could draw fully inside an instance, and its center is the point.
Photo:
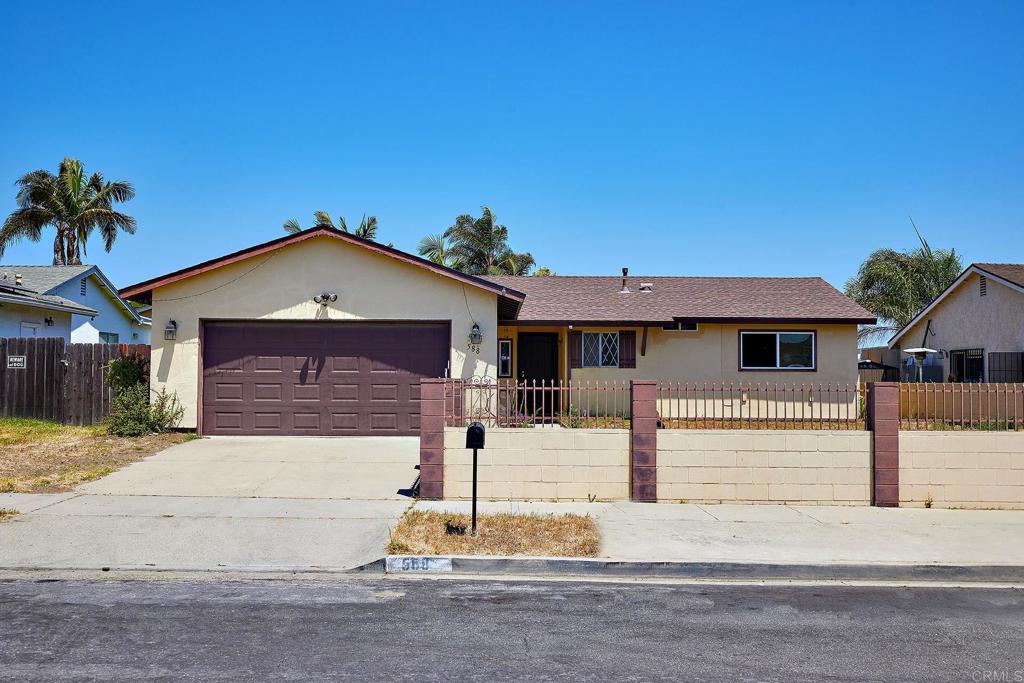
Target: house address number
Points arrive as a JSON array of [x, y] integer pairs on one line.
[[16, 363]]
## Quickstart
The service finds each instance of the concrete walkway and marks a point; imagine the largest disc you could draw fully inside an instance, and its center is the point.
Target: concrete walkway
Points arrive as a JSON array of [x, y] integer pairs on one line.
[[779, 534]]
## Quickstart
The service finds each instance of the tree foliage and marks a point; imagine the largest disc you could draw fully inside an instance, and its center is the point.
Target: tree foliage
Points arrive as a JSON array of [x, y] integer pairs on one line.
[[437, 249], [478, 246], [897, 285], [74, 204], [367, 228]]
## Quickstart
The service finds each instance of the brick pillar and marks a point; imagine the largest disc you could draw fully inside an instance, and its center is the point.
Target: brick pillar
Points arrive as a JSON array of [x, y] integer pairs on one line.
[[432, 438], [883, 419], [643, 441]]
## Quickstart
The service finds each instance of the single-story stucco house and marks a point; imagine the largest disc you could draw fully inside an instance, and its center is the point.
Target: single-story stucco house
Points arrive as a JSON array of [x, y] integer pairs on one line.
[[976, 327], [322, 332], [77, 303]]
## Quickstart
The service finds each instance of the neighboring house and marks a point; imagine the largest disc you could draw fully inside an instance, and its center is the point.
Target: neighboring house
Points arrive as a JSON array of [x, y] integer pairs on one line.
[[322, 332], [976, 325], [105, 318], [26, 312]]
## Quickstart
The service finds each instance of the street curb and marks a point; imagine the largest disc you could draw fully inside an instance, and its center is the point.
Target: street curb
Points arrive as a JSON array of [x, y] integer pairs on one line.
[[588, 567]]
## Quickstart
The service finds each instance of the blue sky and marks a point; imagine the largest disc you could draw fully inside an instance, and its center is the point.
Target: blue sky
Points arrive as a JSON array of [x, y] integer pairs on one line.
[[677, 138]]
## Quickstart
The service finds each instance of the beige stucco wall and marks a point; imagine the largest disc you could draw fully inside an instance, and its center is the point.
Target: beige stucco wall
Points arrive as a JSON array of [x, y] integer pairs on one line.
[[962, 469], [712, 355], [750, 466], [540, 464], [967, 320], [281, 286]]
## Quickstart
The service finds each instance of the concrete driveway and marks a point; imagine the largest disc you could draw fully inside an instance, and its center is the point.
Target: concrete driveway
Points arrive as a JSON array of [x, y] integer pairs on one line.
[[347, 468], [226, 503]]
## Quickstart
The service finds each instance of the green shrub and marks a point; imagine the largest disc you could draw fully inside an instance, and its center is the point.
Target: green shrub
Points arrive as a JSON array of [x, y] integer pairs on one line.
[[132, 414], [126, 372], [165, 412]]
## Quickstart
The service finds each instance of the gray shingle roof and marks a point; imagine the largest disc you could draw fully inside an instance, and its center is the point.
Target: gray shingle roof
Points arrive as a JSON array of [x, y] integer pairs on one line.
[[43, 279], [749, 299], [26, 295]]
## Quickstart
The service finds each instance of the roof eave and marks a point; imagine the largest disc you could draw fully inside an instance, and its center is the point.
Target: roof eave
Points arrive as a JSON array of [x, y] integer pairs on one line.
[[698, 319], [109, 286], [48, 305]]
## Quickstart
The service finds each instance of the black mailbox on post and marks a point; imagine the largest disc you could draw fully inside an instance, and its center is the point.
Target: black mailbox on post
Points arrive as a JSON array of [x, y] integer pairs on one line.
[[475, 435]]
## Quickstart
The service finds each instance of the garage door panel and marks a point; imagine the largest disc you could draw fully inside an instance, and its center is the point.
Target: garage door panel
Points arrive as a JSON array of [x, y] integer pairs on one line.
[[318, 378]]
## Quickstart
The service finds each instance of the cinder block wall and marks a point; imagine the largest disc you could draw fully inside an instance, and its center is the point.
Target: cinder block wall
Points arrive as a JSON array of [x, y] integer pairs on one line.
[[760, 466], [962, 469], [540, 464]]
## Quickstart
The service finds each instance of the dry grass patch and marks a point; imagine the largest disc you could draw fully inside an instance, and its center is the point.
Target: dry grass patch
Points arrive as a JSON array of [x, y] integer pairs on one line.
[[424, 533], [39, 456], [7, 513]]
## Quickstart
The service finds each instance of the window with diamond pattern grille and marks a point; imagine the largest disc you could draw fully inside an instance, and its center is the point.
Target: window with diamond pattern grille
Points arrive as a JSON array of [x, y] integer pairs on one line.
[[600, 349]]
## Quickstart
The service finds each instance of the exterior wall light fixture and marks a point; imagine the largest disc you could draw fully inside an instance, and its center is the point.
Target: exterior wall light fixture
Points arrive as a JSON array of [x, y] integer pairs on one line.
[[323, 298], [48, 321], [171, 330], [475, 335]]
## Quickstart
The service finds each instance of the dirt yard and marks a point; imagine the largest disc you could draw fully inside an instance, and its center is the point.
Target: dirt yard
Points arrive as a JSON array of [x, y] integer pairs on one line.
[[37, 456], [424, 533]]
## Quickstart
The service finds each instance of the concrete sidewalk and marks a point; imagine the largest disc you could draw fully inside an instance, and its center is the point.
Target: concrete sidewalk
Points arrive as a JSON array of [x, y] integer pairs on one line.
[[780, 534], [72, 531]]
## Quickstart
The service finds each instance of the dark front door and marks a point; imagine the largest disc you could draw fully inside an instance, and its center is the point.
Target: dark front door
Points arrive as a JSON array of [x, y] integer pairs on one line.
[[538, 364], [318, 378]]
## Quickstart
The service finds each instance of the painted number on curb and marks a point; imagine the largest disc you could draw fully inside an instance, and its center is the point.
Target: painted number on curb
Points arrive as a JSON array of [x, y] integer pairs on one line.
[[419, 564]]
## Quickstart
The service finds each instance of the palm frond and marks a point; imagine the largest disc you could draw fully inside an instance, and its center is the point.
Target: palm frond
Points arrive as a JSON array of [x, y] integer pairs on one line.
[[323, 219], [292, 226]]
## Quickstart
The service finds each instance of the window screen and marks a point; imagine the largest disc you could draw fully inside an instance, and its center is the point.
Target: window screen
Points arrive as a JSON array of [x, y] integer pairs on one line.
[[796, 350]]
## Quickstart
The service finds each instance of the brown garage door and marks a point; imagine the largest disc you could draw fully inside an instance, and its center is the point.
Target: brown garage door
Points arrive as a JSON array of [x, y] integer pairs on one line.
[[318, 378]]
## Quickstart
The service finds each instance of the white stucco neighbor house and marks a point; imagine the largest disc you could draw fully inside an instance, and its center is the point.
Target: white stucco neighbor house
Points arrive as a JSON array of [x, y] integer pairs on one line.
[[77, 303]]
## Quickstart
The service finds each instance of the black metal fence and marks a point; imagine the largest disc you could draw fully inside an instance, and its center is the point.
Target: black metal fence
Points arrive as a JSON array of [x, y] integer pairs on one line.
[[1006, 366]]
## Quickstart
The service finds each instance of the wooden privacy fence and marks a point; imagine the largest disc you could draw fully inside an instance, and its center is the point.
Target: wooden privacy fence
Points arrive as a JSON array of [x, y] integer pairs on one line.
[[709, 405], [47, 379], [933, 406], [528, 404]]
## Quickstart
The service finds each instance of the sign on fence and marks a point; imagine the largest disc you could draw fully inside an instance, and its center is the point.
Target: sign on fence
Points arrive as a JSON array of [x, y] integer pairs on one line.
[[47, 379]]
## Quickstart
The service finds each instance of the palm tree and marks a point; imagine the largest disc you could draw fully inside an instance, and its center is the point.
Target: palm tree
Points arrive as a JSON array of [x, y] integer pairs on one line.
[[437, 249], [367, 226], [481, 246], [73, 204], [897, 285]]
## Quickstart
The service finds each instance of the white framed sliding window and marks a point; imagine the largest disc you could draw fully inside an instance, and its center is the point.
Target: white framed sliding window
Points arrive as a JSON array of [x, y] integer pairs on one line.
[[778, 350]]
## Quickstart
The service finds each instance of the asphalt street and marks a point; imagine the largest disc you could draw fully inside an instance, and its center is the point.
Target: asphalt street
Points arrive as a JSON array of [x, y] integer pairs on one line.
[[451, 630]]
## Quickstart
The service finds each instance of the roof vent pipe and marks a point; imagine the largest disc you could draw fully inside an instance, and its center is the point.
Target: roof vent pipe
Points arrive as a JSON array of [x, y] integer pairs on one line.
[[625, 289], [17, 279]]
